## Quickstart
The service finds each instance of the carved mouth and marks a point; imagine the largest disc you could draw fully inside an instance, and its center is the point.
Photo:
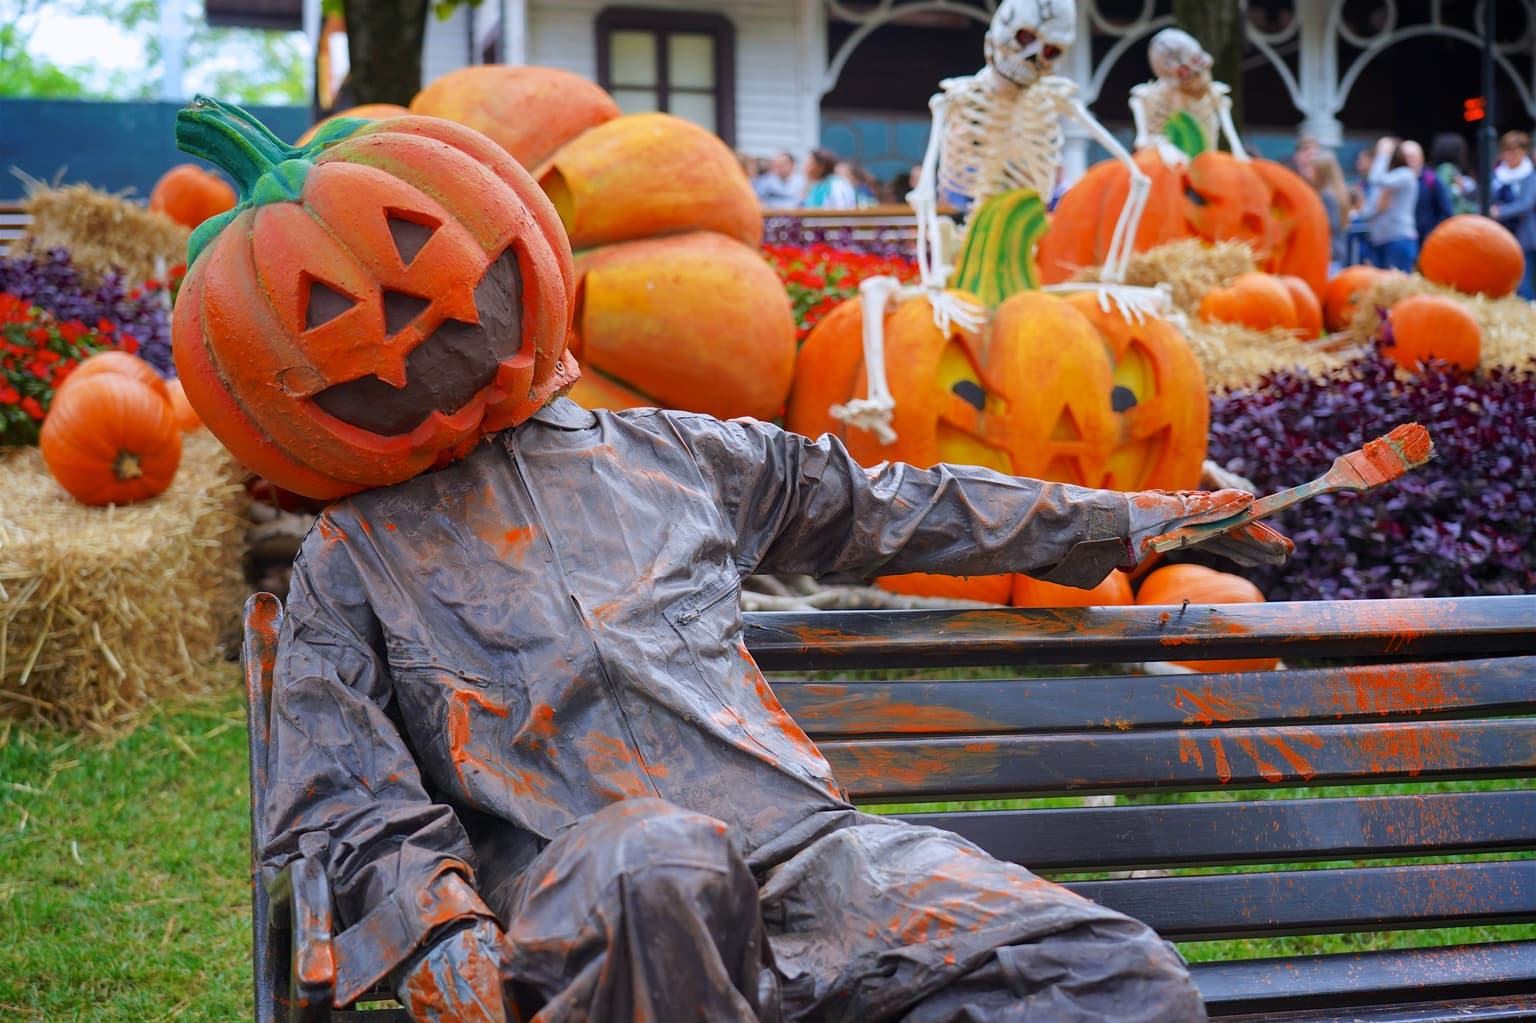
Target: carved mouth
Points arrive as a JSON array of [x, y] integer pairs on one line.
[[447, 369]]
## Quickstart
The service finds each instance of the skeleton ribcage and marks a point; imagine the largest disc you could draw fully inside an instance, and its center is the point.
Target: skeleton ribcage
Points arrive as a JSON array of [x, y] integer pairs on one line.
[[999, 136]]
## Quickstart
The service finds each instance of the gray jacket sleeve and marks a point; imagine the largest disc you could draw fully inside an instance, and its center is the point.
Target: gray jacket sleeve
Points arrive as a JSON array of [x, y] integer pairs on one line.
[[806, 506], [400, 865]]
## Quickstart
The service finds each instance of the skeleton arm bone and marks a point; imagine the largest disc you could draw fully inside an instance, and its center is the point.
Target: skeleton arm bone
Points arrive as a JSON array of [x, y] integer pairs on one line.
[[1124, 238], [924, 199], [873, 411], [1224, 114]]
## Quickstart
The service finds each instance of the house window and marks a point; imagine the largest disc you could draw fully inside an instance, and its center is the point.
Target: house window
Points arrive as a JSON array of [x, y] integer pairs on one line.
[[675, 61]]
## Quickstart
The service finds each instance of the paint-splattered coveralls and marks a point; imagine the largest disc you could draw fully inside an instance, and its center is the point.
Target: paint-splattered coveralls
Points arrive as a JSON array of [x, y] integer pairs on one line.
[[526, 670]]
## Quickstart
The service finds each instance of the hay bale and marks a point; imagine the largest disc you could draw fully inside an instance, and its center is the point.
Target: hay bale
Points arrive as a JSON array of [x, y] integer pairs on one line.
[[102, 232], [105, 610], [1508, 324]]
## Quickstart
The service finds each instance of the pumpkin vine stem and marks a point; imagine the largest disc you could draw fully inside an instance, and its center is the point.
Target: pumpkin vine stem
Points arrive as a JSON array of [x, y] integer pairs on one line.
[[231, 139]]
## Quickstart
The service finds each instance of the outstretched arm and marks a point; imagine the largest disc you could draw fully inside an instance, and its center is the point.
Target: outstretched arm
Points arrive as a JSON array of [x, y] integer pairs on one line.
[[1224, 115], [1123, 241], [924, 200]]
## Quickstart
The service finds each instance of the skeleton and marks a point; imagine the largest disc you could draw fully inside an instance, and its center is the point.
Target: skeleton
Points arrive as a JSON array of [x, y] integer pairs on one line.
[[1182, 85], [994, 131]]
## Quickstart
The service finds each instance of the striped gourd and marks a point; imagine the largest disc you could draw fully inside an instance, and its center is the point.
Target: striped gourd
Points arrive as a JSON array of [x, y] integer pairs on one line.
[[998, 257]]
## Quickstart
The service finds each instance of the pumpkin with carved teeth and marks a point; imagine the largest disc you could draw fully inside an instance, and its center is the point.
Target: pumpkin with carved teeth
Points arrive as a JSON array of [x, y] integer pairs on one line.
[[378, 300]]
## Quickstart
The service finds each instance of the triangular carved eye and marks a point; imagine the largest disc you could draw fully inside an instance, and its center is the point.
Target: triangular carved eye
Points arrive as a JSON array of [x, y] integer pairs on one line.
[[400, 309], [325, 304], [410, 237]]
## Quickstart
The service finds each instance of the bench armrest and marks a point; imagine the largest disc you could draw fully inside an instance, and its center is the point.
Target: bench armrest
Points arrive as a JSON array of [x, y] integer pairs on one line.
[[300, 899]]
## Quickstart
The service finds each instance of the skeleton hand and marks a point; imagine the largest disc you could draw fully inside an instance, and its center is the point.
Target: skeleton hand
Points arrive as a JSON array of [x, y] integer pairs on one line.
[[1155, 512], [457, 979]]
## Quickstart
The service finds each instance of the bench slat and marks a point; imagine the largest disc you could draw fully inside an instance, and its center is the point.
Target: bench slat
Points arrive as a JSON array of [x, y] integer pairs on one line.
[[1258, 831], [1219, 906], [1427, 627], [1483, 687], [1384, 976], [1190, 758]]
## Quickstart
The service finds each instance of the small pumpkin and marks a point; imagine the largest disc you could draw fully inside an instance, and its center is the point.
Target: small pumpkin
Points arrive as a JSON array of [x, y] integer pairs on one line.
[[1473, 254], [1341, 296], [1309, 310], [186, 416], [189, 194], [1423, 327], [1253, 299], [1174, 584], [111, 439], [115, 361], [1113, 591], [378, 300]]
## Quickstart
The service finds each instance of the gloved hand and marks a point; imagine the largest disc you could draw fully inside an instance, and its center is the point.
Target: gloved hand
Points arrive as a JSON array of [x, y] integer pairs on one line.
[[457, 979], [1155, 512]]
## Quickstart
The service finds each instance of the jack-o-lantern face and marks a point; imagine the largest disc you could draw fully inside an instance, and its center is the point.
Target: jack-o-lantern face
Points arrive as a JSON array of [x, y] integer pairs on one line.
[[374, 304], [1053, 388]]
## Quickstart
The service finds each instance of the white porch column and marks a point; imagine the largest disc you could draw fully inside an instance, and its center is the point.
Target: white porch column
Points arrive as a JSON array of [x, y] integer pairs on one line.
[[514, 31], [1074, 150], [1319, 71], [811, 35]]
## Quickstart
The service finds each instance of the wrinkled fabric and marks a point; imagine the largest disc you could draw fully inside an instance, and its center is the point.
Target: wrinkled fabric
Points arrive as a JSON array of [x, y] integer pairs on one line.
[[477, 663]]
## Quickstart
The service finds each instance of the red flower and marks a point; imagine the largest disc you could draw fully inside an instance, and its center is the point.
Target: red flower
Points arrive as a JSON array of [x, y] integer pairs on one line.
[[39, 334], [128, 343], [105, 327], [30, 406], [8, 394]]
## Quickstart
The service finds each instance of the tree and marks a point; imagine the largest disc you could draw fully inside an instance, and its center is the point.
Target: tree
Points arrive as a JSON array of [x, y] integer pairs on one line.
[[384, 44], [1219, 27]]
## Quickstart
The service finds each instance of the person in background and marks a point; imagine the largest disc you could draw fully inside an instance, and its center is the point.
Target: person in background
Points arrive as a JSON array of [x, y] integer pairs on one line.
[[1514, 199], [834, 185], [1302, 159], [1433, 203], [1390, 219], [1328, 178], [818, 173], [866, 187], [1448, 156], [779, 187]]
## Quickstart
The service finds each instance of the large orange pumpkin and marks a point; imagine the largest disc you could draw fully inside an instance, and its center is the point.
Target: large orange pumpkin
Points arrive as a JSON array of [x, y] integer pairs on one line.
[[1113, 591], [118, 362], [530, 111], [1174, 584], [1474, 254], [111, 439], [375, 303], [1423, 327], [1214, 197], [190, 194]]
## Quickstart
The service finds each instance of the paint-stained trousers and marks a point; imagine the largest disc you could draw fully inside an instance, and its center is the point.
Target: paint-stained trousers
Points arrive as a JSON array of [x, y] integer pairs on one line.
[[644, 911]]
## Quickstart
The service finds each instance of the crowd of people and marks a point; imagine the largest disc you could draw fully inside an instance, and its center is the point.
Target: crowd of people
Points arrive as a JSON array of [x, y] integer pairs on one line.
[[827, 182], [1397, 195]]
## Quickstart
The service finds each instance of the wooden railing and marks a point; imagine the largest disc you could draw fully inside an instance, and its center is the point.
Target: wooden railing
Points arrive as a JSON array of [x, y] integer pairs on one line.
[[14, 219]]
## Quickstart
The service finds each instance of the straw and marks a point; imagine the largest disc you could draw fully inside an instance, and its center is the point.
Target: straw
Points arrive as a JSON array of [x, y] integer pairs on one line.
[[102, 232]]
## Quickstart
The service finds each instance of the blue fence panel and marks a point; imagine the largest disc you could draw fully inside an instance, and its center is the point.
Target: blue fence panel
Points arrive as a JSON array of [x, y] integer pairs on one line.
[[111, 146]]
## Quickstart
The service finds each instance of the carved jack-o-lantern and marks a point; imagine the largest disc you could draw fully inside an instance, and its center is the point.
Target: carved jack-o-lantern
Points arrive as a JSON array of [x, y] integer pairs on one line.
[[377, 301], [1214, 197]]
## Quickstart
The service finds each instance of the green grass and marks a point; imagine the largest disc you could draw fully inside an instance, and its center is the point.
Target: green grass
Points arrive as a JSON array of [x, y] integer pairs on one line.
[[123, 871]]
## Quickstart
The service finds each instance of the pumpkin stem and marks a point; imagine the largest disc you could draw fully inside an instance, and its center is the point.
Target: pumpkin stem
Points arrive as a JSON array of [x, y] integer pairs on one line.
[[998, 257], [126, 466], [231, 139]]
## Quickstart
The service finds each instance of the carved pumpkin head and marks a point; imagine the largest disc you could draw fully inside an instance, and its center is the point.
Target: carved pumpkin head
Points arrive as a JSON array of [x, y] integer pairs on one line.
[[378, 300], [1053, 388]]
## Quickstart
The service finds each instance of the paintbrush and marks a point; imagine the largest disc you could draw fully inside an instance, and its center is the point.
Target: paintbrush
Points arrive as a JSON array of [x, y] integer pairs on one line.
[[1379, 461]]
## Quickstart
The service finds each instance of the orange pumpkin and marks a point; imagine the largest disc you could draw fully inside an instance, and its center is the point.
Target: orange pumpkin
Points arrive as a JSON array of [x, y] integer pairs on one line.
[[1215, 197], [1473, 254], [189, 195], [1423, 327], [1309, 311], [1053, 388], [186, 415], [111, 439], [990, 589], [1342, 295], [375, 303], [116, 362], [367, 111], [530, 111], [1256, 300], [1113, 591], [1174, 584]]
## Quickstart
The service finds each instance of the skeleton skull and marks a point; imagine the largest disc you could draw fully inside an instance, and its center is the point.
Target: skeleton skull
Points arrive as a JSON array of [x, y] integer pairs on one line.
[[1178, 58], [1027, 37]]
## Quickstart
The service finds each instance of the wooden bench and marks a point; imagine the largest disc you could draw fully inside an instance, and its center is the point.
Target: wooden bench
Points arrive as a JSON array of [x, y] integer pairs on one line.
[[14, 220], [1437, 693]]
